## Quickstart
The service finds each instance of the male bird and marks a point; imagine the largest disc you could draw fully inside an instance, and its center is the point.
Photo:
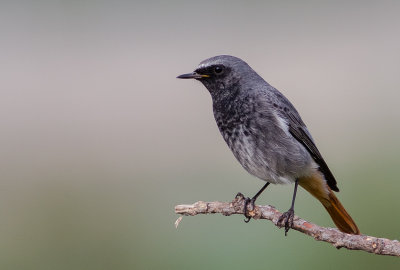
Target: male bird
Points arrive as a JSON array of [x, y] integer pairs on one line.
[[267, 136]]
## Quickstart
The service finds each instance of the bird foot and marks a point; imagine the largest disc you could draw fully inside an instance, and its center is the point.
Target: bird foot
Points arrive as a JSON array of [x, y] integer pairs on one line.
[[247, 201], [286, 219]]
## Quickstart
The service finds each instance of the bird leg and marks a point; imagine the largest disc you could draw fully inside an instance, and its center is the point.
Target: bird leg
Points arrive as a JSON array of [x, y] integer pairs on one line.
[[251, 201], [287, 217]]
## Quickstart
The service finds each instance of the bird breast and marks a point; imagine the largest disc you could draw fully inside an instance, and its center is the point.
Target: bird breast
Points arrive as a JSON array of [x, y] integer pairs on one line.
[[263, 147]]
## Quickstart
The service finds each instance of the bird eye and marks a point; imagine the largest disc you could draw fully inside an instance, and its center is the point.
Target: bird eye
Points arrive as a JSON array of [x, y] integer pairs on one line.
[[218, 70]]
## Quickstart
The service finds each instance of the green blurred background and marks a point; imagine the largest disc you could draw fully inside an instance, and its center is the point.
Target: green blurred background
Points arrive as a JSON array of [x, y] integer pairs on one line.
[[99, 141]]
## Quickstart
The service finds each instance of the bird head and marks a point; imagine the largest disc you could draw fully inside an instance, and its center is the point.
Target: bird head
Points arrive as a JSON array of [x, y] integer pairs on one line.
[[221, 74]]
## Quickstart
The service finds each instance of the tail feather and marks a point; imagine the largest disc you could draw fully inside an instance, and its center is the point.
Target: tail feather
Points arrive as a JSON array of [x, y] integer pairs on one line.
[[317, 186]]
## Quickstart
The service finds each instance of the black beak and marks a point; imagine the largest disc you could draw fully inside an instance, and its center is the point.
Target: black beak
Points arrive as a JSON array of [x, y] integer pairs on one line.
[[192, 75]]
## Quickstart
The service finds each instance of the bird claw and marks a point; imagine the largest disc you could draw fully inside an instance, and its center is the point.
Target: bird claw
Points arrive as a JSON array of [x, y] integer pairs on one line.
[[248, 201], [286, 219], [239, 195]]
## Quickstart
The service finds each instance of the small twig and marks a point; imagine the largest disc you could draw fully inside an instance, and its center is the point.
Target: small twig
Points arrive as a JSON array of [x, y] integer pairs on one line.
[[380, 246]]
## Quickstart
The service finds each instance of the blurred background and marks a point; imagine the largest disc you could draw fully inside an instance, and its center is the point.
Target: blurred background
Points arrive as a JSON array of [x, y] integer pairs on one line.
[[99, 141]]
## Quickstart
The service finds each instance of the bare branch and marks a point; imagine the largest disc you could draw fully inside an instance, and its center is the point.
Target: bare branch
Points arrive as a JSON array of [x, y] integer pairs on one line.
[[380, 246]]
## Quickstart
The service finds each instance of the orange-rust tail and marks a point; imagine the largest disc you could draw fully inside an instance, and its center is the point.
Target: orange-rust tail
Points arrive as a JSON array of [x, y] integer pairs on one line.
[[317, 186]]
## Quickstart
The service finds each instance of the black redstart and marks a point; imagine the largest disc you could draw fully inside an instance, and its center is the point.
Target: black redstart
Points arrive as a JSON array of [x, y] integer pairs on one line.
[[267, 136]]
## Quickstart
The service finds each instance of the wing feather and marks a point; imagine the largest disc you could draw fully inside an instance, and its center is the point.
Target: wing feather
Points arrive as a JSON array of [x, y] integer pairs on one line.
[[299, 131]]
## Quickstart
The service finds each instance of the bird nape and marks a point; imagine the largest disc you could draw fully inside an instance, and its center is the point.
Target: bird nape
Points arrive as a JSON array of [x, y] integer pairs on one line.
[[267, 136]]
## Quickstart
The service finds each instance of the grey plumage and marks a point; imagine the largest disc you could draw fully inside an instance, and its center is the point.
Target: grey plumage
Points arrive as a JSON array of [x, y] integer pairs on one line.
[[260, 125], [268, 137]]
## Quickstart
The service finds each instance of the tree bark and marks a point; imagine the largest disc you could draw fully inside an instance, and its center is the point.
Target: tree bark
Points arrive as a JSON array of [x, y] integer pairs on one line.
[[371, 244]]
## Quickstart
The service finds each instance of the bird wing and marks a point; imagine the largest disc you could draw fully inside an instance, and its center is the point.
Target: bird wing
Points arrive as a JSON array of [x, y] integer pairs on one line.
[[299, 131]]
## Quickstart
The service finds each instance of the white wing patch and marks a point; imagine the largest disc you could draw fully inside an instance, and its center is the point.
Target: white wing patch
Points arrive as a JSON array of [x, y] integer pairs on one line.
[[283, 124]]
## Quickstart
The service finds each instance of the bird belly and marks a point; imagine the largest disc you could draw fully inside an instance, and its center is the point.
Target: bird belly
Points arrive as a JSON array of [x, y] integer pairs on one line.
[[276, 161]]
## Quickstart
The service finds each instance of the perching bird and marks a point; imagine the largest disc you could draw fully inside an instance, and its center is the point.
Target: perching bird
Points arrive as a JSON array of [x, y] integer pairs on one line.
[[267, 136]]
